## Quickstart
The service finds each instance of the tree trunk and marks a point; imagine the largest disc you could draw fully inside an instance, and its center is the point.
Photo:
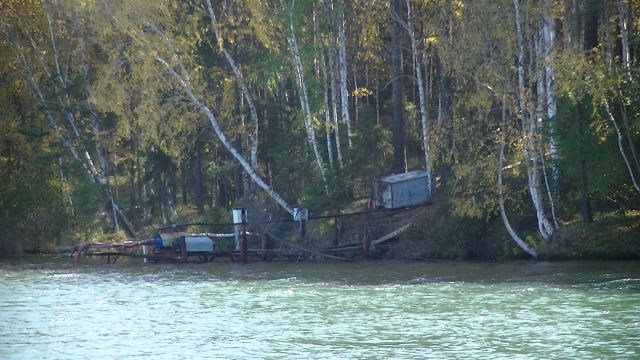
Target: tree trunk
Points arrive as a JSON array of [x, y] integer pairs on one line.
[[186, 86], [70, 144], [408, 25], [529, 134], [334, 103], [621, 147], [624, 24], [172, 213], [444, 121], [253, 134], [304, 98], [198, 184], [327, 110], [548, 29], [585, 204], [65, 193], [542, 92], [397, 127], [342, 56], [503, 214]]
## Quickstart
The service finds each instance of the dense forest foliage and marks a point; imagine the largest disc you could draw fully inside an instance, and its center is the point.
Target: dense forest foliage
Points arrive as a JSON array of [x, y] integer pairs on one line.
[[120, 115]]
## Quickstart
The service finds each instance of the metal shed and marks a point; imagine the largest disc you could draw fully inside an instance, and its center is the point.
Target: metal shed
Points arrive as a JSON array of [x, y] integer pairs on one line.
[[400, 190]]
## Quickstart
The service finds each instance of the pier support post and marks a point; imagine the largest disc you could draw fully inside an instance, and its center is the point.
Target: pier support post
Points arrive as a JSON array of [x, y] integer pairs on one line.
[[335, 228], [264, 245], [240, 231], [302, 215], [183, 249]]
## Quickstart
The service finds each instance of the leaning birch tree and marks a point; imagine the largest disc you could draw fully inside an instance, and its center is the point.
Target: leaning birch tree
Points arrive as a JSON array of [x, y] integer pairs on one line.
[[57, 104], [253, 135], [503, 213], [156, 47]]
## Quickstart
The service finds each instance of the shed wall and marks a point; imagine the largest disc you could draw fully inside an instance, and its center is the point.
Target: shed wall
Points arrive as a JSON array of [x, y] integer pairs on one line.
[[410, 192], [406, 192]]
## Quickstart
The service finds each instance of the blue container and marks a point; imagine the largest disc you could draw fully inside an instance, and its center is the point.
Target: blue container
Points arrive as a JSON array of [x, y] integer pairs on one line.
[[158, 241]]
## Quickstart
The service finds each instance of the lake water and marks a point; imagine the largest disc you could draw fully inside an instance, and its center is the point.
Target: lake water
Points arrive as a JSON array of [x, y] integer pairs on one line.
[[50, 309]]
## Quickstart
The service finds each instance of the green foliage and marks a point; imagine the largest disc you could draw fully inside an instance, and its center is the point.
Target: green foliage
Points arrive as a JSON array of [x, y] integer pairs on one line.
[[161, 151], [33, 214], [611, 235]]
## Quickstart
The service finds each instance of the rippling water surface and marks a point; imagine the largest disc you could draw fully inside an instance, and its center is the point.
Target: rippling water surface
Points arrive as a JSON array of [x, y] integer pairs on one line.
[[50, 309]]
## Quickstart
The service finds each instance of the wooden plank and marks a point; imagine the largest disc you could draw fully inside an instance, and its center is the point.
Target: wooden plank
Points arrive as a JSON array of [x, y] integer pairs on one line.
[[391, 235]]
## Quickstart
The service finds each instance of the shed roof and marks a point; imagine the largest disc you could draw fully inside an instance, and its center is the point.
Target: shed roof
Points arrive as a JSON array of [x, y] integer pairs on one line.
[[396, 178]]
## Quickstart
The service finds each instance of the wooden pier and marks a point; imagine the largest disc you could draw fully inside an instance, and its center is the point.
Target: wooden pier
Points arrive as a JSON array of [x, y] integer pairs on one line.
[[262, 243]]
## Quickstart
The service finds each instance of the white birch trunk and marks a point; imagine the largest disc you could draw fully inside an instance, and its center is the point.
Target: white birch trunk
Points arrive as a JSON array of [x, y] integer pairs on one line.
[[408, 26], [327, 111], [503, 214], [529, 134], [95, 126], [624, 23], [39, 54], [621, 147], [85, 160], [63, 84], [377, 98], [186, 87], [334, 107], [253, 135], [624, 34], [185, 84], [355, 98], [548, 29], [344, 91], [556, 224], [102, 157], [304, 97], [540, 102]]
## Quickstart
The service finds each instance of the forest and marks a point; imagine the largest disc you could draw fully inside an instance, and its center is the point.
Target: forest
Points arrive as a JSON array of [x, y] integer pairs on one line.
[[120, 116]]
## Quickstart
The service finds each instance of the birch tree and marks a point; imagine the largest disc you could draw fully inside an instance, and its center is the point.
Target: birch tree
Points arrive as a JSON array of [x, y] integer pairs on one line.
[[342, 56], [548, 29], [399, 150], [529, 133], [417, 65], [253, 135], [157, 48], [59, 105], [503, 213], [334, 102], [303, 93], [624, 24]]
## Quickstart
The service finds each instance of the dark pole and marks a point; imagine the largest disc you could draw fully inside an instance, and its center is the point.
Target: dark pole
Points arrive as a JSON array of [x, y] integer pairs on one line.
[[183, 249], [335, 226], [303, 236], [397, 104], [264, 245], [301, 215], [367, 235], [243, 244]]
